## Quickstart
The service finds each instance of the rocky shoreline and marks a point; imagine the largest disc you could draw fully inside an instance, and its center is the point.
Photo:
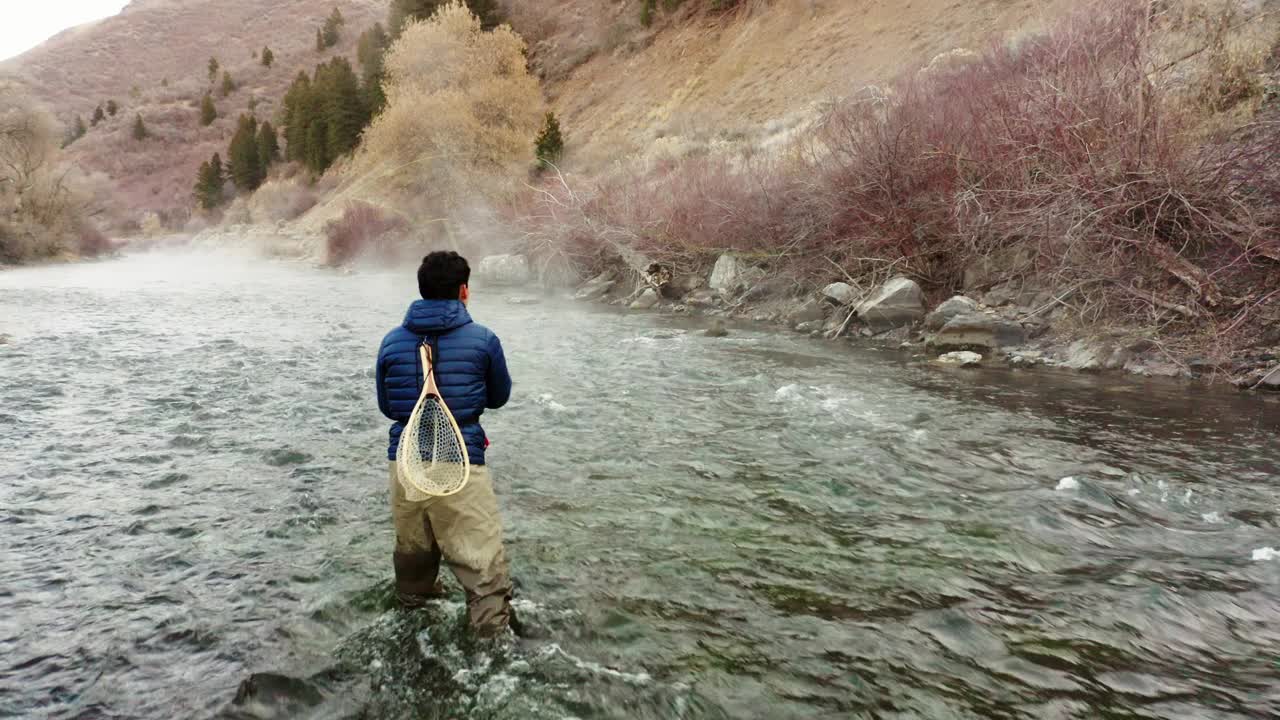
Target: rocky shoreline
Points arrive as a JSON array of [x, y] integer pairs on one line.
[[1009, 323]]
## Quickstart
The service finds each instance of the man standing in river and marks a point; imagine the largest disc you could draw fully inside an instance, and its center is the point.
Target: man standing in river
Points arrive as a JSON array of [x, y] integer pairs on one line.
[[471, 371]]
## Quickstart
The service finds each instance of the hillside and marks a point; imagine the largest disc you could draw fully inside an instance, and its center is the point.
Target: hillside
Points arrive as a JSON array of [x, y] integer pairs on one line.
[[152, 60]]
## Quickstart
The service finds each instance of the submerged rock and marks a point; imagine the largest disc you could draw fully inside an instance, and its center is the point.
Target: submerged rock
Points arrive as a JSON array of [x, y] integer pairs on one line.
[[277, 692], [717, 330], [504, 270], [898, 302], [523, 300], [949, 310]]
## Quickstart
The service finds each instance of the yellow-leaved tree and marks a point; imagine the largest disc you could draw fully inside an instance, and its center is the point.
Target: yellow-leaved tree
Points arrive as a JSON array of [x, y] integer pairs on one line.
[[462, 112]]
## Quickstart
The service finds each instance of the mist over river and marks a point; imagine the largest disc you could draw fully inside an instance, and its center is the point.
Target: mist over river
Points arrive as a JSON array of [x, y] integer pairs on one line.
[[193, 494]]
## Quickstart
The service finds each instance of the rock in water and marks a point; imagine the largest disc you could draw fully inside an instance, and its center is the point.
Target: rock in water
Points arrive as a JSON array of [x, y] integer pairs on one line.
[[647, 300], [949, 310], [1271, 381], [717, 330], [963, 358], [504, 270], [840, 293], [898, 302], [280, 693]]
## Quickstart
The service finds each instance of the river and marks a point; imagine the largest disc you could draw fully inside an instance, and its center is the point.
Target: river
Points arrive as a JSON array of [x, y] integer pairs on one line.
[[193, 494]]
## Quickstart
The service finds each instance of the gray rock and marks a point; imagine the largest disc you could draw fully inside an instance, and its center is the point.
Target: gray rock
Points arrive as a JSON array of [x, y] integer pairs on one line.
[[1154, 368], [504, 270], [523, 300], [647, 300], [682, 285], [5, 339], [726, 274], [944, 313], [702, 299], [1271, 381], [840, 293], [898, 302], [809, 311], [1091, 356], [978, 331], [768, 287], [962, 358], [810, 327], [717, 330], [596, 287]]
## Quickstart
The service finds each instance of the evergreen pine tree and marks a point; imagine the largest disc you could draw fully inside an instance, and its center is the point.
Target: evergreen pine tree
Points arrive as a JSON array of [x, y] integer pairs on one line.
[[319, 41], [333, 28], [246, 168], [208, 111], [98, 116], [112, 108], [139, 128], [550, 144], [209, 181], [371, 52], [344, 111], [296, 121], [268, 57], [268, 145], [75, 132], [405, 11], [228, 85], [213, 69]]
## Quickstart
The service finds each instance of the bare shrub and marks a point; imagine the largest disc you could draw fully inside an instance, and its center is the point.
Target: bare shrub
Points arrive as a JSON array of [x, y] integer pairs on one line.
[[362, 229], [91, 242], [1060, 148]]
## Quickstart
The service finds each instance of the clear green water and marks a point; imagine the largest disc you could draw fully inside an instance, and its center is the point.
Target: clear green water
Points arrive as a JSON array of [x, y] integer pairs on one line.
[[192, 493]]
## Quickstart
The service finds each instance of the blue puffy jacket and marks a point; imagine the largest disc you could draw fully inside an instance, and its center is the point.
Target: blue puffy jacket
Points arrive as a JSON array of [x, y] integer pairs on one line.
[[471, 370]]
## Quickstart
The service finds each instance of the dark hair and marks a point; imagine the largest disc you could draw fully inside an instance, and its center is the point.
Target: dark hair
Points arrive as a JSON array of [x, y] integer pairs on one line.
[[442, 275]]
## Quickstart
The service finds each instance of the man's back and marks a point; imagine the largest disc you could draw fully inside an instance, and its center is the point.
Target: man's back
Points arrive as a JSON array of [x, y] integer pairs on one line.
[[471, 370], [463, 529]]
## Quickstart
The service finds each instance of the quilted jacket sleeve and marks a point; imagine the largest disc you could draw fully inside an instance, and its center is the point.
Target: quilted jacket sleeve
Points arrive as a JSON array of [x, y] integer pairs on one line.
[[380, 372], [497, 378]]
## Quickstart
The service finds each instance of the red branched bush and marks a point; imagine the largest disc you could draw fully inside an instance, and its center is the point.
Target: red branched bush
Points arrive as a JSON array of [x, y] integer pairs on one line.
[[90, 242], [1061, 147], [363, 228]]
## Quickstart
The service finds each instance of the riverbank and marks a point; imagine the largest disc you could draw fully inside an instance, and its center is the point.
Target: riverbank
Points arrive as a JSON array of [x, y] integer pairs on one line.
[[1011, 324]]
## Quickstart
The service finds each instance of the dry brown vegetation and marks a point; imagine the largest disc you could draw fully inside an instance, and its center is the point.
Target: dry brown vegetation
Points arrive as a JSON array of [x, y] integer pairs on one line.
[[44, 202], [151, 59], [462, 112], [1062, 157]]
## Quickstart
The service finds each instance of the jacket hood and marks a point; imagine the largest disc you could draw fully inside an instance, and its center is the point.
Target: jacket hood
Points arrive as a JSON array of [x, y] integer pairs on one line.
[[435, 316]]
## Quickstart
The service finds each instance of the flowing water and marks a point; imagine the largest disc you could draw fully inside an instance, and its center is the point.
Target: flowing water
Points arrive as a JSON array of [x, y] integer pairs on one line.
[[194, 521]]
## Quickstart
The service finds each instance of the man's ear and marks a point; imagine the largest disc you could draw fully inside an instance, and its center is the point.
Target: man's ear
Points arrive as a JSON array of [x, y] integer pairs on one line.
[[464, 293]]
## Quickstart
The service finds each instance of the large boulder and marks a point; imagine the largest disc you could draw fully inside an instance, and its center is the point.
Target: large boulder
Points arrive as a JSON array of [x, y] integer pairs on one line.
[[978, 331], [898, 302], [840, 293], [504, 270], [731, 275], [597, 287], [725, 275], [647, 300], [949, 310]]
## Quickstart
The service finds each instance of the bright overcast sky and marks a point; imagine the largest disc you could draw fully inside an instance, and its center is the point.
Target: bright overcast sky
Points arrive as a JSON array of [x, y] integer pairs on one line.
[[32, 22]]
